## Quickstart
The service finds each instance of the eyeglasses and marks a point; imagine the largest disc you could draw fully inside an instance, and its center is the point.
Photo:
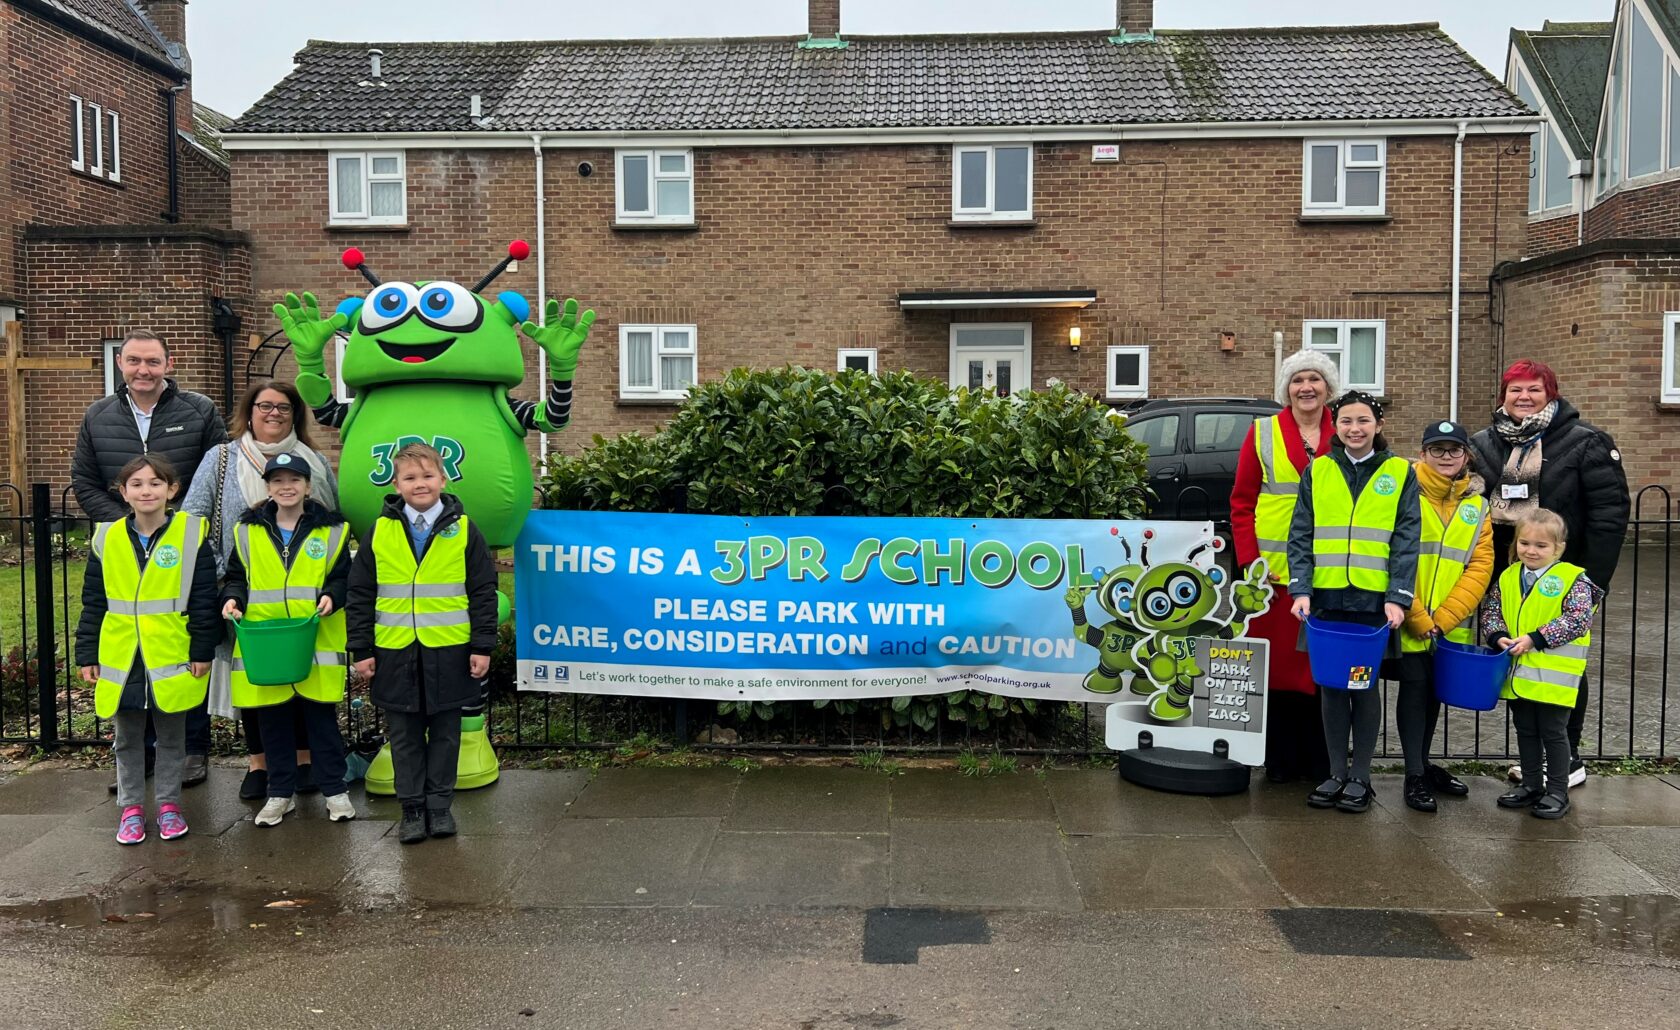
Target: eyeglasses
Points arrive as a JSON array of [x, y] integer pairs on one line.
[[271, 408], [1447, 450]]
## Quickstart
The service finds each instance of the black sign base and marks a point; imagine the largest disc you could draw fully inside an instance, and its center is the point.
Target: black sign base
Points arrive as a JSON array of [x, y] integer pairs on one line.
[[1183, 772]]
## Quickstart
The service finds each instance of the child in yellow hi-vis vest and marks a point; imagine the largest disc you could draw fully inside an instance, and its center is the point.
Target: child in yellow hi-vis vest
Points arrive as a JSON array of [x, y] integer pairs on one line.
[[1541, 610], [290, 560], [147, 633], [422, 622]]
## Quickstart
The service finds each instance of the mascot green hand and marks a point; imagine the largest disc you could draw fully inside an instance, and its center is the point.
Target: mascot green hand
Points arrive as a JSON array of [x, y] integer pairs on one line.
[[432, 362]]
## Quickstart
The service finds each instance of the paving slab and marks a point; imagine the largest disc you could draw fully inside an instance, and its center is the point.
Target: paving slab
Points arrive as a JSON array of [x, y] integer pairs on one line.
[[1507, 871], [1091, 801], [1475, 816], [938, 794], [1672, 781], [522, 802], [1352, 861], [1286, 802], [1124, 874], [657, 794], [1654, 849], [458, 870], [77, 860], [301, 854], [211, 810], [795, 870], [638, 862], [55, 792], [817, 800], [986, 865], [1626, 801], [19, 831]]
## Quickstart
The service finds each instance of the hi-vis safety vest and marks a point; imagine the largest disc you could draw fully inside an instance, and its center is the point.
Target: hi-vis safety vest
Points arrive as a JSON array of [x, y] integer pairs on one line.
[[425, 601], [1553, 675], [279, 591], [1443, 552], [1279, 483], [1350, 538], [146, 615]]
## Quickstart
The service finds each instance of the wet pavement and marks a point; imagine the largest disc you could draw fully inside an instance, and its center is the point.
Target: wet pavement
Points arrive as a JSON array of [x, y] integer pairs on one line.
[[821, 897]]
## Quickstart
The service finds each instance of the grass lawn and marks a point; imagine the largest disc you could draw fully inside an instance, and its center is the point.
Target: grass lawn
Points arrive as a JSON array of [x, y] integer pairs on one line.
[[17, 595]]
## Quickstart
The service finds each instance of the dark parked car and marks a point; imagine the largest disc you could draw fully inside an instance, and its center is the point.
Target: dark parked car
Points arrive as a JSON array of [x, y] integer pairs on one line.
[[1193, 444]]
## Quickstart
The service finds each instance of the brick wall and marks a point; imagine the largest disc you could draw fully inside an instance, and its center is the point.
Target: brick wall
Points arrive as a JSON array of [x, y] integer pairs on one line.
[[205, 195], [800, 251], [1644, 213], [1550, 235]]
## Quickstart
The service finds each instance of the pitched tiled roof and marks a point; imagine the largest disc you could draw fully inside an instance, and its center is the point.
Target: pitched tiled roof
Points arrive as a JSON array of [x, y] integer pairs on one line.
[[121, 19], [208, 126], [1241, 75], [1569, 61]]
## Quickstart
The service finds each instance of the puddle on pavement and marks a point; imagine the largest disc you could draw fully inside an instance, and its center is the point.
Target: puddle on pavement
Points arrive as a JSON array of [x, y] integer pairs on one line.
[[1645, 924], [191, 905]]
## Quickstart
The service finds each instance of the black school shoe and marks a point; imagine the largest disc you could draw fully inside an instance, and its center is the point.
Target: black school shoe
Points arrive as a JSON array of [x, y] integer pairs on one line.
[[1356, 797], [441, 822], [1443, 782], [1550, 806], [254, 787], [412, 829], [1522, 797], [1326, 794], [1417, 794]]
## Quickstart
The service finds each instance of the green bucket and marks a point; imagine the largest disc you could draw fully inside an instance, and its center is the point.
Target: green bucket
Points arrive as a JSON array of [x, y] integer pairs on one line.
[[277, 652]]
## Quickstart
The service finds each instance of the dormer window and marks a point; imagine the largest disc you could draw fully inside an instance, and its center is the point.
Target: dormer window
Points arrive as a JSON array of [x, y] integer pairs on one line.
[[1639, 134], [1549, 185]]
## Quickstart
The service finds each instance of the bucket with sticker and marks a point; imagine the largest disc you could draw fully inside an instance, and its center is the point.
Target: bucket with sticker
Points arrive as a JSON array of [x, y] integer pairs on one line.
[[1345, 655]]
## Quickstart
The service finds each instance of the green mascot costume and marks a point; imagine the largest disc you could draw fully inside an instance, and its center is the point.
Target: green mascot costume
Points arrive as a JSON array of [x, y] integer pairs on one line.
[[432, 362]]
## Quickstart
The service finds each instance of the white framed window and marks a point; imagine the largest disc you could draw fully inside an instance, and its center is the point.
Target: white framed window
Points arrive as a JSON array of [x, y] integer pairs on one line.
[[1671, 360], [1128, 372], [98, 119], [367, 187], [1549, 186], [112, 350], [115, 172], [78, 145], [656, 186], [1344, 177], [1357, 348], [656, 362], [343, 393], [992, 182], [859, 358]]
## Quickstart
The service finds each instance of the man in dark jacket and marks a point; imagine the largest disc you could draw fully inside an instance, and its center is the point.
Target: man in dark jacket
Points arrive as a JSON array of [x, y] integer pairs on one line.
[[148, 414], [1539, 453]]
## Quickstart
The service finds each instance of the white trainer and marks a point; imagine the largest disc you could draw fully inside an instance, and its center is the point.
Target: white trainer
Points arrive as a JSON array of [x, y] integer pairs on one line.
[[1577, 774], [274, 810], [1514, 774], [339, 808]]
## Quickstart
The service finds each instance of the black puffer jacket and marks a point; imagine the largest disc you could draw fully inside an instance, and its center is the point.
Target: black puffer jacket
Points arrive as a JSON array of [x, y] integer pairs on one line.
[[1581, 478], [185, 425], [416, 678]]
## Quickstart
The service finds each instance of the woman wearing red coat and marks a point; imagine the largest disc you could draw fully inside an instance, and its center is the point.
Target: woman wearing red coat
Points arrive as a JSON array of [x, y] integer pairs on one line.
[[1269, 468]]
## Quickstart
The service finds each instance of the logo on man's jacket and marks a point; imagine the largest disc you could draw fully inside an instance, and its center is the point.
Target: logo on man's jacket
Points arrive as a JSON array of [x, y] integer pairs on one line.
[[174, 429]]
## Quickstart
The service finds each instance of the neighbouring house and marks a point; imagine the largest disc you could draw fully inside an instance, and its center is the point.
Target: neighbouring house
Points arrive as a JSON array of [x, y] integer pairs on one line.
[[1597, 292], [116, 207], [1137, 212]]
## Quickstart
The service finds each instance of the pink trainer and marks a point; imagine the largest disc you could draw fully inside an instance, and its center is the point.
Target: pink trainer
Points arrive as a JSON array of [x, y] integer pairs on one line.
[[171, 823], [131, 828]]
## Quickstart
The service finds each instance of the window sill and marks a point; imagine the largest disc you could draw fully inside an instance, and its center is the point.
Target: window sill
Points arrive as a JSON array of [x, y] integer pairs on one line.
[[992, 223], [396, 227], [655, 227], [1312, 219], [99, 177], [649, 402], [1668, 406]]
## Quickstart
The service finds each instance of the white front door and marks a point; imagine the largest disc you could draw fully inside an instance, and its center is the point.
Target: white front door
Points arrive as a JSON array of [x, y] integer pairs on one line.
[[992, 356]]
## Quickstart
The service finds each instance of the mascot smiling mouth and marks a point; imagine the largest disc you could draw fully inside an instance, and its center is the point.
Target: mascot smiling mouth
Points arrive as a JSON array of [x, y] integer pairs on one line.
[[414, 353]]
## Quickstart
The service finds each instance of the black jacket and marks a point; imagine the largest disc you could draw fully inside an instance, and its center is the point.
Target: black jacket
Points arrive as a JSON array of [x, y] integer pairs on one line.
[[1402, 546], [185, 425], [204, 621], [237, 586], [416, 678], [1581, 478]]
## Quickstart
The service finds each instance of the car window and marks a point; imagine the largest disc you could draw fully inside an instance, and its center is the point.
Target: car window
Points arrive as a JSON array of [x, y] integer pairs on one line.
[[1159, 434], [1221, 430]]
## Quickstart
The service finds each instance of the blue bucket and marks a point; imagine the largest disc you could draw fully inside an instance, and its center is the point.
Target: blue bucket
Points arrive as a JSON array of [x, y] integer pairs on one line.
[[1470, 676], [1345, 655]]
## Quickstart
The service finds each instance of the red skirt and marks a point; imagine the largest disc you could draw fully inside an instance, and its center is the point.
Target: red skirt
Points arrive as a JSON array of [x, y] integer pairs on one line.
[[1286, 667]]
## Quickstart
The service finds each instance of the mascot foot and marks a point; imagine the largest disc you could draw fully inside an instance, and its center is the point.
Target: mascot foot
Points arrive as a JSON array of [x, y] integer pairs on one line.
[[1166, 709], [478, 766], [381, 776], [1099, 683]]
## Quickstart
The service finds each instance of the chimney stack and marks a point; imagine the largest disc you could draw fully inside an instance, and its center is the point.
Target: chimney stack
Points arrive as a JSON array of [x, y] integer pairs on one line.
[[1134, 17], [169, 17], [824, 19]]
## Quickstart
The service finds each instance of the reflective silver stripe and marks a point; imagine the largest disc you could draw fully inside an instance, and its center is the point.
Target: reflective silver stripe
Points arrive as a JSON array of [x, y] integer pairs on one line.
[[1576, 651], [330, 658], [431, 591], [1550, 677], [266, 597], [1371, 562], [114, 674], [428, 620], [1359, 533], [193, 537], [99, 539], [334, 535], [1454, 554], [163, 672], [168, 606], [242, 542], [1264, 439], [1280, 489], [1429, 547], [1273, 546]]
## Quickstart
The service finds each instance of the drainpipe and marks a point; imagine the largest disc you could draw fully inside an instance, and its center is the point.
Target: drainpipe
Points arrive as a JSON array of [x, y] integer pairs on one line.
[[542, 292], [1277, 353], [1457, 256], [171, 147]]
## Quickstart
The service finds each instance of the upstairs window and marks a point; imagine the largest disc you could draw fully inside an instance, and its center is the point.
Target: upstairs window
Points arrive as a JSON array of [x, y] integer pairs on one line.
[[992, 183], [1356, 348], [78, 145], [656, 186], [1344, 177], [367, 188], [1639, 134], [1549, 185]]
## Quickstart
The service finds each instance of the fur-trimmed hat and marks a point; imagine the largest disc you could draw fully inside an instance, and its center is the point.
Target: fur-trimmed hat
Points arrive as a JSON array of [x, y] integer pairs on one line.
[[1300, 361]]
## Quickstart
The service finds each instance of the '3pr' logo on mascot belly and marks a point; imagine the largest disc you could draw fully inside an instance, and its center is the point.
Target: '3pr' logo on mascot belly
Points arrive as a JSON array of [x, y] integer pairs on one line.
[[448, 448]]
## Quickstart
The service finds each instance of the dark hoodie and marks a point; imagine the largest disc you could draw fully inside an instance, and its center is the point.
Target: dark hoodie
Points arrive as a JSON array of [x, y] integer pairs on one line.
[[237, 586], [1402, 546], [417, 678]]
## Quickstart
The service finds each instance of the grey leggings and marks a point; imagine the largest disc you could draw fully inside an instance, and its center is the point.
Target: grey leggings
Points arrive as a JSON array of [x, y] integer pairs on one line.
[[131, 756], [1416, 711], [1359, 711]]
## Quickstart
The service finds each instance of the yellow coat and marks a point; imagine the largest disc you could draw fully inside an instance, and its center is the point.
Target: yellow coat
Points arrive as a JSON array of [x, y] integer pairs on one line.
[[1444, 496]]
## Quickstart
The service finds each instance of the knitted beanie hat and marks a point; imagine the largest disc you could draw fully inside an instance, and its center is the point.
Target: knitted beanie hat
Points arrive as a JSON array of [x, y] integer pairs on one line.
[[1300, 361]]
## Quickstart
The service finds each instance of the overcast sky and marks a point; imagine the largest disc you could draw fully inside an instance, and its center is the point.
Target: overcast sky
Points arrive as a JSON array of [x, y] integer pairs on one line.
[[241, 48]]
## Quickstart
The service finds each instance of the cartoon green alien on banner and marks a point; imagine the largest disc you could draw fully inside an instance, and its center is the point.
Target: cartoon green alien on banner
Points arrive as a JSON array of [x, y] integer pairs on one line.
[[432, 362]]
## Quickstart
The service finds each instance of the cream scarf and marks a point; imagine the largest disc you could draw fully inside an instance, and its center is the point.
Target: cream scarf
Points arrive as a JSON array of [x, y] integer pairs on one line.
[[250, 458]]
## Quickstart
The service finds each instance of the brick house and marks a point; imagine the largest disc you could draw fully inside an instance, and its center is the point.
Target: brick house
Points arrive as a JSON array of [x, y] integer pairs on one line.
[[1193, 203], [116, 206], [1597, 292]]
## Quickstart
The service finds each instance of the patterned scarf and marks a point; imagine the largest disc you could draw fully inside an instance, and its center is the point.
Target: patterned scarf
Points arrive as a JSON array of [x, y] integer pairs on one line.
[[1522, 467]]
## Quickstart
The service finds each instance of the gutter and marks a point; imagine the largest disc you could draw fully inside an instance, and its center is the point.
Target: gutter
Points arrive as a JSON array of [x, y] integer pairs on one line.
[[1457, 257], [90, 30]]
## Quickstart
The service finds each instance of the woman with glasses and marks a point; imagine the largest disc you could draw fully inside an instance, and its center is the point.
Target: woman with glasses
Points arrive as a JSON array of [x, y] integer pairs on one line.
[[1455, 566], [271, 419]]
